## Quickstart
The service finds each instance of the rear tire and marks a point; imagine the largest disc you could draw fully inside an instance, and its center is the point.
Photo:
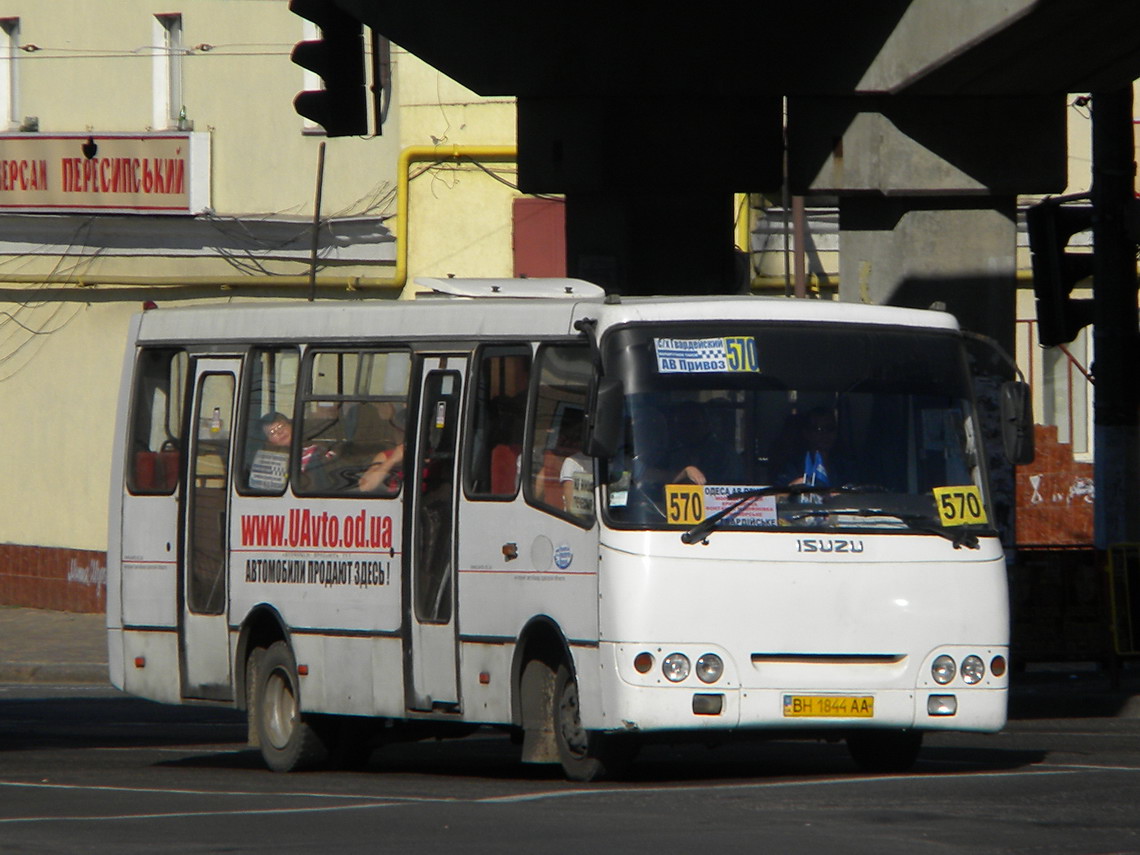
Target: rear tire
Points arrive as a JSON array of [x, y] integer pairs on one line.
[[885, 750], [289, 741]]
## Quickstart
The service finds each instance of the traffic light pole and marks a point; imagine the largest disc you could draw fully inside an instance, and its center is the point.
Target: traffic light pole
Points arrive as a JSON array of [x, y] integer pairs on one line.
[[1115, 334]]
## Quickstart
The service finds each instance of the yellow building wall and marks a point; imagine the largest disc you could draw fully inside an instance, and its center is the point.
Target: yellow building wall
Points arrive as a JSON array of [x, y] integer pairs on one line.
[[459, 215], [61, 346], [93, 71], [57, 420]]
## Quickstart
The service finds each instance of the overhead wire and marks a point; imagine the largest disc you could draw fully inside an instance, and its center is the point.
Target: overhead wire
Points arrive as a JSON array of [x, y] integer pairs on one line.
[[50, 52], [47, 326]]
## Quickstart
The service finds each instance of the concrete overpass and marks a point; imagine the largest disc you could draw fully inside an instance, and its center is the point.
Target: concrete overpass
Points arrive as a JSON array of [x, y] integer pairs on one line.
[[924, 118]]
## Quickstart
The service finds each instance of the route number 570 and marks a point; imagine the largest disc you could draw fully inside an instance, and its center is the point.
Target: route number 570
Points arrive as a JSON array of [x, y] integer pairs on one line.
[[685, 504], [960, 505]]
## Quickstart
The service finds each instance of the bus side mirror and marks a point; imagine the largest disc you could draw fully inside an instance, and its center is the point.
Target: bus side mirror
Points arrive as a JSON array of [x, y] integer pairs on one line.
[[605, 422], [1017, 422]]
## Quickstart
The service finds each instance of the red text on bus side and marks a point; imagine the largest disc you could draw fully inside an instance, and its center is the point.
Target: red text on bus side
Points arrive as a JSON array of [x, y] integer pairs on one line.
[[304, 528]]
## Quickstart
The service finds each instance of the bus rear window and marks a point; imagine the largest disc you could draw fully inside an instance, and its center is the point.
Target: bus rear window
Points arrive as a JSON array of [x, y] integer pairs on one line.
[[155, 447]]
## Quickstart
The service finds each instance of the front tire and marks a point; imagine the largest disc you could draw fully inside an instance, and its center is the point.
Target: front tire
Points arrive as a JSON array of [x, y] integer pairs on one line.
[[288, 741], [585, 755]]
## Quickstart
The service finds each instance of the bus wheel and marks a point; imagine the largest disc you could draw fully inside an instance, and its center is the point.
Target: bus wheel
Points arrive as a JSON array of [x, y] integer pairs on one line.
[[287, 740], [884, 751], [252, 672], [586, 755]]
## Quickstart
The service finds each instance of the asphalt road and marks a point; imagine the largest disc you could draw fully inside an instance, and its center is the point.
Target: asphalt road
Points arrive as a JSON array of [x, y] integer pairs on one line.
[[87, 769]]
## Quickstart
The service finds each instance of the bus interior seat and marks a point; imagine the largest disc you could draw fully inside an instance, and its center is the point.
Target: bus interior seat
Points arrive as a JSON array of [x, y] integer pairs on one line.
[[547, 487], [156, 470], [504, 469]]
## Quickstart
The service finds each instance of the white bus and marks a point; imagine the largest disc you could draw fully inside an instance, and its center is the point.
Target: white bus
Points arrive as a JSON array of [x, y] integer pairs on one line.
[[590, 520]]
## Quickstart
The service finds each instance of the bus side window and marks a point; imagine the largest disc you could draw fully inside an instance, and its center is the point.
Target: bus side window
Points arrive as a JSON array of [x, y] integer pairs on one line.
[[267, 419], [562, 475], [496, 433], [353, 414], [156, 421]]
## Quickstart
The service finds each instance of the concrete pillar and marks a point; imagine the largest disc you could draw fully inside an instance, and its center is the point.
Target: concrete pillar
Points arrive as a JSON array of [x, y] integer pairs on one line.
[[621, 241], [649, 183], [1115, 334], [914, 251], [927, 191]]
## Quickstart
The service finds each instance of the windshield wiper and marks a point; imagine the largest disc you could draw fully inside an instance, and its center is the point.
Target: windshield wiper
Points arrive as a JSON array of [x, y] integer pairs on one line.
[[958, 535], [698, 532]]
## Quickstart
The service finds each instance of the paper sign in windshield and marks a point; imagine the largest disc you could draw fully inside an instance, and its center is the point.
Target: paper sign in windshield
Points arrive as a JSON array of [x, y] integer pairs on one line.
[[689, 504], [706, 355], [760, 511]]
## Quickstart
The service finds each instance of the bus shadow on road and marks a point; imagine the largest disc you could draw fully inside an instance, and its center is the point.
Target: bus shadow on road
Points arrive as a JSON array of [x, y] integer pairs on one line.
[[494, 757], [118, 722]]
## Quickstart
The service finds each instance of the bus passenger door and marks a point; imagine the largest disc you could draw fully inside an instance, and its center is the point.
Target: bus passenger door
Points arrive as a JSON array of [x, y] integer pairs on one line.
[[430, 484], [204, 626]]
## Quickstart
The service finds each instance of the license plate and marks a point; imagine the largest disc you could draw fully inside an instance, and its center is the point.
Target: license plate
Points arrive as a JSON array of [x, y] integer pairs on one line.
[[829, 706]]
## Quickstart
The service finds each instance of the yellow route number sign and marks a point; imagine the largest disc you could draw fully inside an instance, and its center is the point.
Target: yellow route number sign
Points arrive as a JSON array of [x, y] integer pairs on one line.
[[960, 505], [685, 503]]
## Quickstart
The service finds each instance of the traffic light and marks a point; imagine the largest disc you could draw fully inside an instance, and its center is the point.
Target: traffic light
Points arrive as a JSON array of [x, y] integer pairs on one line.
[[1056, 270], [341, 108]]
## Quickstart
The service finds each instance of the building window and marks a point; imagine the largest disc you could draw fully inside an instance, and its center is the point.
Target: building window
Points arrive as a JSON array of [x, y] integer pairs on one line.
[[168, 102], [10, 72]]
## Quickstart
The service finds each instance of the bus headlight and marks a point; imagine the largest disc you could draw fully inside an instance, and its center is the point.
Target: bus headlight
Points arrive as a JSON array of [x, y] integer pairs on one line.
[[676, 667], [973, 669], [943, 670], [709, 668]]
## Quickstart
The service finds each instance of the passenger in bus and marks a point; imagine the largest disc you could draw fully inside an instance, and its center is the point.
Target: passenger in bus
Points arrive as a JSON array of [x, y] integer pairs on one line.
[[577, 473], [386, 470], [278, 430]]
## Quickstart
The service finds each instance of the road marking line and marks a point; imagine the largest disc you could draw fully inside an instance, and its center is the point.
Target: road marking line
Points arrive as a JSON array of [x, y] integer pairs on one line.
[[235, 793], [371, 802], [187, 814], [851, 779]]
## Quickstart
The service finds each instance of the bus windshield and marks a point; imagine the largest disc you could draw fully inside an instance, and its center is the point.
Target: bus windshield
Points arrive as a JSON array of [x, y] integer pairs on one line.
[[819, 426]]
